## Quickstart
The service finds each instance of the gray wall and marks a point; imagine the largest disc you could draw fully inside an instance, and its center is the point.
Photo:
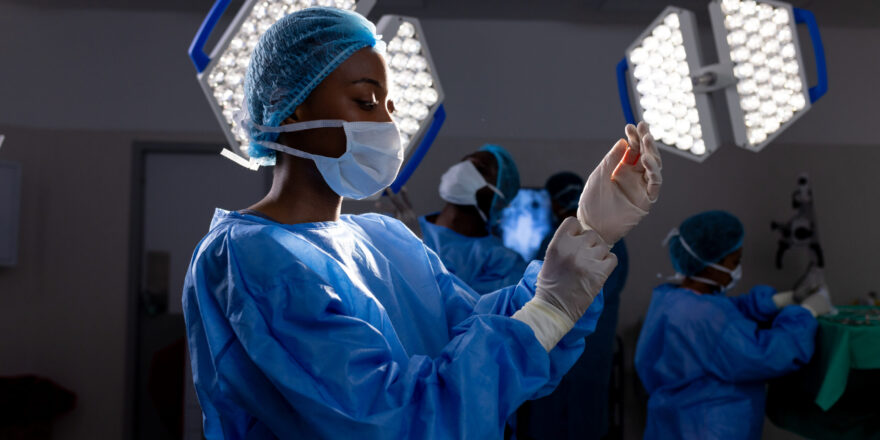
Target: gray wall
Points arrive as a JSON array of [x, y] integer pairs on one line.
[[63, 308], [79, 86]]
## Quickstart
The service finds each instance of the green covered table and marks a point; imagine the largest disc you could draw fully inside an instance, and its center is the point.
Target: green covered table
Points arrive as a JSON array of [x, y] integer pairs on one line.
[[837, 395]]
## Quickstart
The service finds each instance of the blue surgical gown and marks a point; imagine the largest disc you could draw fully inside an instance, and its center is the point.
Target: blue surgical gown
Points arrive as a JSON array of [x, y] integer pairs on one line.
[[484, 263], [704, 360], [354, 329]]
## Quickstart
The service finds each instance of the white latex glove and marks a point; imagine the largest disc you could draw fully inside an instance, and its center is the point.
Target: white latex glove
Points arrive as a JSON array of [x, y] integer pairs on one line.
[[575, 268], [622, 188], [401, 208], [818, 303], [783, 299]]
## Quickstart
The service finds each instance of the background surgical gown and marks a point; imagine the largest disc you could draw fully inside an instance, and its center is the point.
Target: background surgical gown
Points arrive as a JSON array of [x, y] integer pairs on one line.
[[354, 329], [704, 361], [484, 263]]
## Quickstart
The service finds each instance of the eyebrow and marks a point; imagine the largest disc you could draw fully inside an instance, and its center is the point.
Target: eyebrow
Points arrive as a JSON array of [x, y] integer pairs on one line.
[[368, 81]]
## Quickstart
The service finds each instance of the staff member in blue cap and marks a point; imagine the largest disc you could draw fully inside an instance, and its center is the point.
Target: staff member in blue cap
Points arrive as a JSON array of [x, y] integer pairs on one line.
[[305, 323]]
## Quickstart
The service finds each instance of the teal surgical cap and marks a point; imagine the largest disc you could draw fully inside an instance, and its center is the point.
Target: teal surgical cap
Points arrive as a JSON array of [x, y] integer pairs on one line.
[[712, 235], [291, 59], [507, 183]]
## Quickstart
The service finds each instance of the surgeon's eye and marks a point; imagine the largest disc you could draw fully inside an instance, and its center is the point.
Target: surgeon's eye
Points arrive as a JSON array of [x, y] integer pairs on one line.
[[367, 105]]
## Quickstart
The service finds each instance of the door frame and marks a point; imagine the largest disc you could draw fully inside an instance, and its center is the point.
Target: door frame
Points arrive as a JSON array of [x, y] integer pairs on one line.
[[140, 151]]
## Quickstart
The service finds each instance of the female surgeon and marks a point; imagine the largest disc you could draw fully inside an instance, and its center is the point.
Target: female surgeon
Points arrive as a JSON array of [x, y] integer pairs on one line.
[[701, 355], [304, 323]]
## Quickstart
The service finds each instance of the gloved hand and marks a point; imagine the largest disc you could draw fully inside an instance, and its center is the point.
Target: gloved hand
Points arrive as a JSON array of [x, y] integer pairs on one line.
[[622, 188], [809, 283], [575, 268], [400, 208], [819, 303], [783, 299]]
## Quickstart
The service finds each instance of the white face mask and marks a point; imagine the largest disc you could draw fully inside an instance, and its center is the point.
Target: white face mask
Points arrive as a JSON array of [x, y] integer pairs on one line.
[[460, 183], [735, 274], [372, 158]]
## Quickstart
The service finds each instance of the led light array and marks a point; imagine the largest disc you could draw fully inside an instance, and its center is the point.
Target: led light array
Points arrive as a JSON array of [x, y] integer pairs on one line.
[[662, 76], [761, 44], [412, 89], [226, 77]]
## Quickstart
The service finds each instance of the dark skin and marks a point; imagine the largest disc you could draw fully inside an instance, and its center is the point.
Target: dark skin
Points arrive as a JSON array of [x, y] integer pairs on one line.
[[731, 262], [464, 219], [355, 91]]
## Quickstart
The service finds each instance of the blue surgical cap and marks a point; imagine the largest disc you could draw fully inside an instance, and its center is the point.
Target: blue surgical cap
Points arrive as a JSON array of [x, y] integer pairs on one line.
[[508, 180], [565, 188], [291, 59], [712, 235]]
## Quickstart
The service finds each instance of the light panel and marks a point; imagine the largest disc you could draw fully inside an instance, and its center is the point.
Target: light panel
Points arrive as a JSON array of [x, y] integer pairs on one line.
[[661, 63], [759, 40], [414, 86], [223, 78]]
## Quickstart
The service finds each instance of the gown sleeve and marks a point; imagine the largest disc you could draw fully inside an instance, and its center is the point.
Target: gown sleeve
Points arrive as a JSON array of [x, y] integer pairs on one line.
[[303, 357], [758, 304], [505, 302], [738, 351]]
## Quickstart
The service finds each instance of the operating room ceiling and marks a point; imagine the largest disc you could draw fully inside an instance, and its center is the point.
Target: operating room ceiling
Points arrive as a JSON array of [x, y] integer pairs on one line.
[[838, 13]]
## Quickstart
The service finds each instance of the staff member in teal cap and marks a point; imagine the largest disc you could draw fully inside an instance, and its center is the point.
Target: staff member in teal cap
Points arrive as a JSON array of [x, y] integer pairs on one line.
[[476, 190], [701, 355]]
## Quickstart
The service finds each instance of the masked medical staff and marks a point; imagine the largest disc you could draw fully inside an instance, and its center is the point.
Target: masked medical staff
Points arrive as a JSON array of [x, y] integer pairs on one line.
[[702, 355], [304, 323], [461, 234]]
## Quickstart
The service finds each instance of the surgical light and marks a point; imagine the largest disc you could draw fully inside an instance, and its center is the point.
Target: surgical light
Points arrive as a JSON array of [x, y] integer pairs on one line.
[[663, 59], [222, 74], [414, 86], [760, 70], [760, 41]]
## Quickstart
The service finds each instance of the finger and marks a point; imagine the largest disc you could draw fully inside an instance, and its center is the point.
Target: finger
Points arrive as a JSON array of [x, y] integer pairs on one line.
[[649, 147], [655, 152], [632, 136], [653, 178], [631, 157], [405, 195], [591, 238], [643, 129], [571, 226], [394, 199], [609, 263], [630, 162], [614, 157], [381, 203], [652, 169], [651, 157], [649, 150]]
